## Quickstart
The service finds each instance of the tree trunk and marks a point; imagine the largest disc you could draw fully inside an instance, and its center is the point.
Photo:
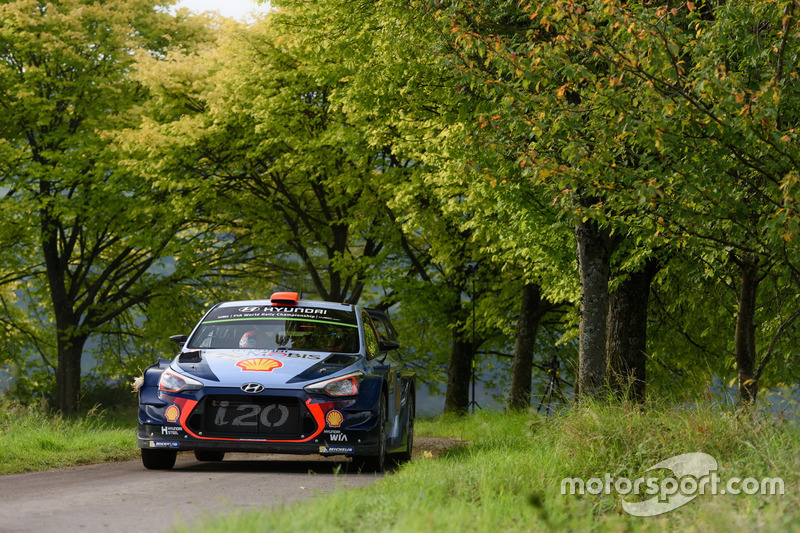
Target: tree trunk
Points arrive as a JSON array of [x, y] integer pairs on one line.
[[68, 373], [595, 247], [626, 342], [459, 374], [528, 324], [745, 336], [69, 345]]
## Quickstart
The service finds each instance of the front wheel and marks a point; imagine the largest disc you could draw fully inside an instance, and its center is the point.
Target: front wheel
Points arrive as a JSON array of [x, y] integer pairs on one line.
[[158, 459], [376, 463]]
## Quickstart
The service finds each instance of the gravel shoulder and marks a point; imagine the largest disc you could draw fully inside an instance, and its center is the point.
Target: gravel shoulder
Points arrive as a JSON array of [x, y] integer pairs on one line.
[[434, 446]]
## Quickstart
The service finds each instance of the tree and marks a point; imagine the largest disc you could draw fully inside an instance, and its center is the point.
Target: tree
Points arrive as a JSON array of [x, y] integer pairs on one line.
[[405, 96], [512, 60], [64, 85], [720, 104], [281, 166], [604, 105], [626, 340], [433, 273], [531, 311]]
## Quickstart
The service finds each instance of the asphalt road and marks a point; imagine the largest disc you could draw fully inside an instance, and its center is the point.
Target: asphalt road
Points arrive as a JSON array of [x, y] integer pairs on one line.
[[125, 497]]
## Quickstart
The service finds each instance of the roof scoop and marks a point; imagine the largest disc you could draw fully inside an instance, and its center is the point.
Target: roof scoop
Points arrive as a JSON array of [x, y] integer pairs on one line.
[[284, 298]]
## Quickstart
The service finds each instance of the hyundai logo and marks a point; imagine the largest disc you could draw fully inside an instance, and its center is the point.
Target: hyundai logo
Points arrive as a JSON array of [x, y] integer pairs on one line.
[[252, 388]]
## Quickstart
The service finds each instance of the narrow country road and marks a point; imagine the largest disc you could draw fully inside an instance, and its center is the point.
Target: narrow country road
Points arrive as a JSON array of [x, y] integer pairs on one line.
[[124, 497]]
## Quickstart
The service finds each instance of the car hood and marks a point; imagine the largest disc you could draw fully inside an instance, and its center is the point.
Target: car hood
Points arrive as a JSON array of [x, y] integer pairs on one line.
[[232, 368]]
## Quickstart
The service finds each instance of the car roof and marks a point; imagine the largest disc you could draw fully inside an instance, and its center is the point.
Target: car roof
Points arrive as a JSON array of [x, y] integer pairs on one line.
[[300, 303]]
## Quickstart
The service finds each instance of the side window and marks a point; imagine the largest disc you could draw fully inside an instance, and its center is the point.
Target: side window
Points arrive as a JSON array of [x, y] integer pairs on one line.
[[370, 336]]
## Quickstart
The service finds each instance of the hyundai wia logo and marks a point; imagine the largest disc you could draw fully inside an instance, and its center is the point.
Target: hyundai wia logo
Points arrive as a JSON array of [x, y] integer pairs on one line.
[[252, 388]]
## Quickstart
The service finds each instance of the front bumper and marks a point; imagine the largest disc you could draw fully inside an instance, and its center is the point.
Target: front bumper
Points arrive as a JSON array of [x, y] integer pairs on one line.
[[273, 421]]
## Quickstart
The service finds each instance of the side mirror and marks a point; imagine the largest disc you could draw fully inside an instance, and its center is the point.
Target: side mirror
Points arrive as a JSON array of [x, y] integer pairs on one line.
[[180, 340], [386, 345]]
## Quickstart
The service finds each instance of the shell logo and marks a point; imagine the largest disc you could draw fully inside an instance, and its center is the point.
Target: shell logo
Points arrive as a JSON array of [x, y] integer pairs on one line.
[[334, 418], [172, 413], [259, 364]]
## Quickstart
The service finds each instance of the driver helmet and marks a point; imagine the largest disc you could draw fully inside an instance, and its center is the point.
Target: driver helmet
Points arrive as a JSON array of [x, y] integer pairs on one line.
[[251, 339]]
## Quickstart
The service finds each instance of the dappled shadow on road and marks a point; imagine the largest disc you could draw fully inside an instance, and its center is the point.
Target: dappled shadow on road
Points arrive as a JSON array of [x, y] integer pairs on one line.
[[268, 463], [259, 463]]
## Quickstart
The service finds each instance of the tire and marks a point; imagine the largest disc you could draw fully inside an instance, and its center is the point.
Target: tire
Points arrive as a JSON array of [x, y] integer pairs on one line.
[[158, 459], [404, 457], [377, 462], [209, 455]]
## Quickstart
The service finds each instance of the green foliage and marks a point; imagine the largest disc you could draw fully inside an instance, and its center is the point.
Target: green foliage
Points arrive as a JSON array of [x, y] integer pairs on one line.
[[249, 126], [465, 239], [291, 167], [430, 156], [671, 127], [79, 264]]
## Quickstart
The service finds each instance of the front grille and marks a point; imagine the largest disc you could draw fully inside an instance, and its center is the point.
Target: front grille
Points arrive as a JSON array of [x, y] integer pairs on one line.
[[256, 417]]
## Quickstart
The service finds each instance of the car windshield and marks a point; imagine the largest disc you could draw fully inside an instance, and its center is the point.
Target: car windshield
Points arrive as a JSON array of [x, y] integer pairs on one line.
[[282, 328]]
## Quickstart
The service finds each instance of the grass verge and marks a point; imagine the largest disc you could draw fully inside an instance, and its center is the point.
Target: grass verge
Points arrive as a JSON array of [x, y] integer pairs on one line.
[[509, 478], [32, 439]]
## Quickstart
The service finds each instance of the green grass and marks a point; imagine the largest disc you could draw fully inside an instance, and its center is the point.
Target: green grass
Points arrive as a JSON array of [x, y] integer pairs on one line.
[[34, 439], [509, 477]]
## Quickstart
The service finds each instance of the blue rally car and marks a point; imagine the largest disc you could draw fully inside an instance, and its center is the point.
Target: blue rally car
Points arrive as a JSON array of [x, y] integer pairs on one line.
[[284, 375]]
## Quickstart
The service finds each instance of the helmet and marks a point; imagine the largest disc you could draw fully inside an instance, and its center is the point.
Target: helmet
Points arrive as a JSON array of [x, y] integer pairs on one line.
[[251, 339]]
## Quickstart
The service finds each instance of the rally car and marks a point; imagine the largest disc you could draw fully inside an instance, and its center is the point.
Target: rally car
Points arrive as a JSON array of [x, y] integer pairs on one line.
[[284, 375]]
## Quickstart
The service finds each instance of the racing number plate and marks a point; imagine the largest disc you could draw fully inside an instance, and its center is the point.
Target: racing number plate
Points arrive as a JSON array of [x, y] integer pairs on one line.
[[265, 419]]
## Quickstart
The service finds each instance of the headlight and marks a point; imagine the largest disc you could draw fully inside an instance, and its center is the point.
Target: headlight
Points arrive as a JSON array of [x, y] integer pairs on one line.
[[173, 382], [341, 386]]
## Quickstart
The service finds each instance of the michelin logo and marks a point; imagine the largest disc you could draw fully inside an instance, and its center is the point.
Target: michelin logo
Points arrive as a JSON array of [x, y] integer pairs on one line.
[[335, 449]]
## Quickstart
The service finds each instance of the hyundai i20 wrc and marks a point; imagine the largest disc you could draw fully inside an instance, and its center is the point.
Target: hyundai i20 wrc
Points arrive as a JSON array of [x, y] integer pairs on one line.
[[284, 375]]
